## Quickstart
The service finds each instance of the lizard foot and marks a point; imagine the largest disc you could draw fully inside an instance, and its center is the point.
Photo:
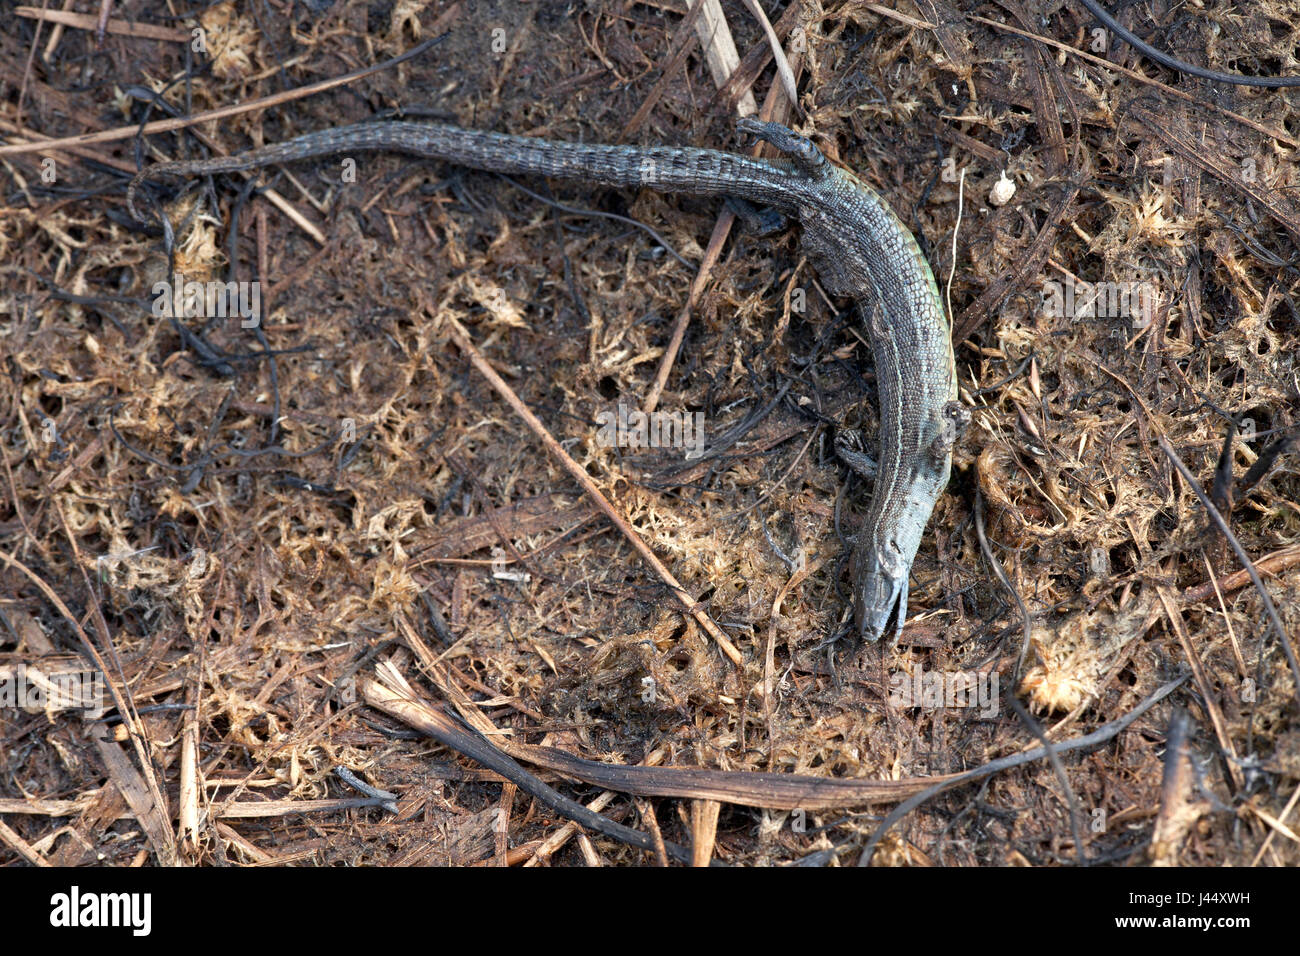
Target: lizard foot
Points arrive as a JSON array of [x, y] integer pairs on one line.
[[956, 419], [759, 220], [848, 446], [801, 151]]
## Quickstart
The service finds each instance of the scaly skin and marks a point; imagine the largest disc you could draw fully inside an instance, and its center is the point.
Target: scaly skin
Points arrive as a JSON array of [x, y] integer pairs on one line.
[[851, 236]]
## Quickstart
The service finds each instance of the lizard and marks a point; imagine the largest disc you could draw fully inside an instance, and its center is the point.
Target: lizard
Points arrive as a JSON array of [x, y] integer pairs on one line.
[[857, 244]]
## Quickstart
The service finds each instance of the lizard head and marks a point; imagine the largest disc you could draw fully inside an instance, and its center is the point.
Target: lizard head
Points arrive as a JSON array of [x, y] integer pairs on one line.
[[879, 571], [882, 558]]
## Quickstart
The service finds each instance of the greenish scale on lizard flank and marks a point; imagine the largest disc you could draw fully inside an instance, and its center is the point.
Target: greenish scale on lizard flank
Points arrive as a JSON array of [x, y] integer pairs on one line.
[[853, 239]]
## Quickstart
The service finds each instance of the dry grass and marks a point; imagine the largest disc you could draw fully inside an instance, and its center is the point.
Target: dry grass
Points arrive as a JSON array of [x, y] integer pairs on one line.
[[259, 602]]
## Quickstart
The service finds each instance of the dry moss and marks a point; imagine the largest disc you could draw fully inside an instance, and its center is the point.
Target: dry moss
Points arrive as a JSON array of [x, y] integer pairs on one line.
[[253, 597]]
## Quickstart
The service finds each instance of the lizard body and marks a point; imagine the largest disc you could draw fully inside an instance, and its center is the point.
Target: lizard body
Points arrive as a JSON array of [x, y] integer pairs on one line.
[[853, 239]]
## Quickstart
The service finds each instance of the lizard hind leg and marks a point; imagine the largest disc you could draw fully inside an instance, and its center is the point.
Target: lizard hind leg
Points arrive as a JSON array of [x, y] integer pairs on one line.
[[807, 157], [849, 449], [759, 220]]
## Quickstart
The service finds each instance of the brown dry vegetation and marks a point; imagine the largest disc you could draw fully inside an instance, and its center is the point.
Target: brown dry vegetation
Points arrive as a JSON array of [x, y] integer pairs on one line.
[[157, 510]]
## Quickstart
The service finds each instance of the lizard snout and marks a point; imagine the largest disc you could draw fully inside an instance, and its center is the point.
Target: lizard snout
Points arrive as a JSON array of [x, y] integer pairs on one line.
[[879, 585]]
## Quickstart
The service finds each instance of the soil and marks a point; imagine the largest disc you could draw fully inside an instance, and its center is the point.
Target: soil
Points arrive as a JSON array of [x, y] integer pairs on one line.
[[246, 545]]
